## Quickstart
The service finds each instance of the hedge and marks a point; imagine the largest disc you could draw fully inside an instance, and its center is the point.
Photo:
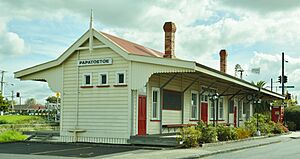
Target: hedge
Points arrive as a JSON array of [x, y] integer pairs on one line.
[[292, 117]]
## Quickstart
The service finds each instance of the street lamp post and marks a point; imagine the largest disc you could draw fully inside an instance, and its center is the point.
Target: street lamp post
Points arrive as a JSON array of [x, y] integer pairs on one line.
[[282, 73]]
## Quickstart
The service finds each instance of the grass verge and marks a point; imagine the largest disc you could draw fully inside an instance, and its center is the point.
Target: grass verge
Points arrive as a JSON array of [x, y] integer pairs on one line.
[[11, 135]]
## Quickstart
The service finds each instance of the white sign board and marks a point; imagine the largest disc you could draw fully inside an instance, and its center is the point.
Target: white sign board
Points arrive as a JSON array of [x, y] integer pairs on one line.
[[103, 61]]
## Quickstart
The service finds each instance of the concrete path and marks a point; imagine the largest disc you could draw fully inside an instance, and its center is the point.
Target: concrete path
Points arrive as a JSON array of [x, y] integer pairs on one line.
[[203, 152], [172, 153]]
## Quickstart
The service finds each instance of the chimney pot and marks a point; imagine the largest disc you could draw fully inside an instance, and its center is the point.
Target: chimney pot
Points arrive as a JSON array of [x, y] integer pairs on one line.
[[223, 60], [170, 29]]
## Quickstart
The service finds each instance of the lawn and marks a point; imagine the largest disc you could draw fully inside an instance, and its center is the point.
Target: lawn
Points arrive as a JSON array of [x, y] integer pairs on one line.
[[11, 135], [21, 119]]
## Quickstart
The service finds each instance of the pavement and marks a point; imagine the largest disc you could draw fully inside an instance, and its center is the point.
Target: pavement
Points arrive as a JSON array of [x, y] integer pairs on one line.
[[58, 151]]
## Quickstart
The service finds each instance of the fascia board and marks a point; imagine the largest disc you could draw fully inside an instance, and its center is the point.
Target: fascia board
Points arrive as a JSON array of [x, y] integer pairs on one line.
[[162, 61]]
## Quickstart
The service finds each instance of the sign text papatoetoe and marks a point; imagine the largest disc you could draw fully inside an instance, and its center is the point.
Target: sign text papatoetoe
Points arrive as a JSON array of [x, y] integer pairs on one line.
[[103, 61]]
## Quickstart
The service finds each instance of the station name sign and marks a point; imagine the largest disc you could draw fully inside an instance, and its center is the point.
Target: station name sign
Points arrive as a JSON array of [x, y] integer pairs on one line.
[[103, 61]]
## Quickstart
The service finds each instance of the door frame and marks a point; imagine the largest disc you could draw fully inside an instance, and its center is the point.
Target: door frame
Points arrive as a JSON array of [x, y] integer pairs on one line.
[[138, 114]]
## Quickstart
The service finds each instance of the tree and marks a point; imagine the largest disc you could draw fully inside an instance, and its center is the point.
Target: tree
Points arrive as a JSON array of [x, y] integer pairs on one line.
[[3, 104], [30, 102], [259, 84], [52, 99]]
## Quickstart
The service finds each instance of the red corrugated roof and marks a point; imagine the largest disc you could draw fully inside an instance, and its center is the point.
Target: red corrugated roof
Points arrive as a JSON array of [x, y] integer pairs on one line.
[[133, 48]]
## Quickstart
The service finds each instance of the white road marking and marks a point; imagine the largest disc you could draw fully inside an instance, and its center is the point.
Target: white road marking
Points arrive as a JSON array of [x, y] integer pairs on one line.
[[45, 152]]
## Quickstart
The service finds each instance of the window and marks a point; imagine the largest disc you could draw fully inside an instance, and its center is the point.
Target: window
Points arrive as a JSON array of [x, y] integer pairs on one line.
[[172, 100], [87, 79], [240, 110], [212, 110], [246, 109], [231, 106], [155, 103], [194, 105], [103, 78], [221, 108], [120, 77], [204, 98]]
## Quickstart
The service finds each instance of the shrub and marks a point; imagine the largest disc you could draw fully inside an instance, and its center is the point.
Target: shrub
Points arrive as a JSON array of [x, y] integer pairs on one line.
[[189, 136], [11, 135], [265, 125], [292, 114], [279, 128], [291, 125], [209, 133], [226, 133], [243, 133]]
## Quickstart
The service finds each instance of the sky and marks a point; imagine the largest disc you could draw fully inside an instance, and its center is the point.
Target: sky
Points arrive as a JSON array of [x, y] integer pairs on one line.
[[254, 33]]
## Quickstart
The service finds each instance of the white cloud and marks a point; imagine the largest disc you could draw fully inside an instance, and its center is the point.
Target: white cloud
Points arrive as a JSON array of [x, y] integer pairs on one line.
[[262, 6], [203, 28], [11, 44]]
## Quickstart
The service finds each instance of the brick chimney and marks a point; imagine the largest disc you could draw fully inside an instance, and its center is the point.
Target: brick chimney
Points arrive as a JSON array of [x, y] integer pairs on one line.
[[223, 61], [170, 29]]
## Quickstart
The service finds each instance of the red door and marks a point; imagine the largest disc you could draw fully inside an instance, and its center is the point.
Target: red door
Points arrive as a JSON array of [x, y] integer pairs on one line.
[[142, 116], [234, 116], [204, 112]]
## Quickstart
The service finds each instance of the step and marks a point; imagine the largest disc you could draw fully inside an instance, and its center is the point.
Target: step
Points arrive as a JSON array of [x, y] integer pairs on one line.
[[153, 140]]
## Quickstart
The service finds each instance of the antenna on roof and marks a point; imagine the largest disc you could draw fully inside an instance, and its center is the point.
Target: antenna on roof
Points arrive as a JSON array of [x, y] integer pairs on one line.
[[91, 32], [91, 19]]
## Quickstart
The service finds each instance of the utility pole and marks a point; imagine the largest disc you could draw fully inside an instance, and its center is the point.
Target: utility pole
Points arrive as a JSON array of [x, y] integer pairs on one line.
[[272, 84], [282, 74], [2, 81], [12, 100]]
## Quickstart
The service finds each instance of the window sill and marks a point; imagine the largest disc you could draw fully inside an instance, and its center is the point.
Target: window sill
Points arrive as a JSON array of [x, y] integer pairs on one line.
[[216, 120], [172, 109], [120, 85], [155, 120], [194, 120], [86, 86], [101, 86]]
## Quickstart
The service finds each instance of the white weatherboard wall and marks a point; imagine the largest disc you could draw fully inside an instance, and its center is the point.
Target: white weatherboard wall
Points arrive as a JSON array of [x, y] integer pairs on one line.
[[170, 116], [101, 112]]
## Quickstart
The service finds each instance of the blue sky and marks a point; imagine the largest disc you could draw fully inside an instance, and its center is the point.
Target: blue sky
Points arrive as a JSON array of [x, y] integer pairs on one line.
[[254, 33]]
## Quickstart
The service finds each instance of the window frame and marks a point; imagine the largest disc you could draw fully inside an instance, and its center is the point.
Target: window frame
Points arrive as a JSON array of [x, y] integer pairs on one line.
[[117, 77], [157, 104], [100, 79], [197, 105], [219, 111], [84, 79]]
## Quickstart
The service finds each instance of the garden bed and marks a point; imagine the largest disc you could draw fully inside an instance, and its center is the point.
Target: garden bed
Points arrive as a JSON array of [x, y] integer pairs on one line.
[[220, 134]]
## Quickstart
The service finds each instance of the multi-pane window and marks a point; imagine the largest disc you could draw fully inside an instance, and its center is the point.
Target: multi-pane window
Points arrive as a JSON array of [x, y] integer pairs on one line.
[[103, 78], [194, 106], [240, 107], [120, 77], [212, 111], [87, 79], [155, 103], [221, 108]]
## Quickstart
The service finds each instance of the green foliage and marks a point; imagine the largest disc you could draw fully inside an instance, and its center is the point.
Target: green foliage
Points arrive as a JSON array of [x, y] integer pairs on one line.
[[292, 114], [279, 128], [52, 99], [226, 133], [209, 133], [291, 125], [243, 132], [11, 135], [265, 125], [21, 119], [3, 104], [189, 136]]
